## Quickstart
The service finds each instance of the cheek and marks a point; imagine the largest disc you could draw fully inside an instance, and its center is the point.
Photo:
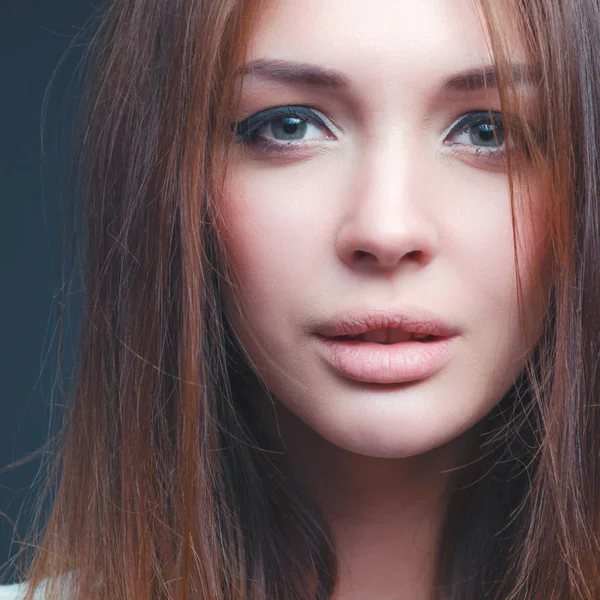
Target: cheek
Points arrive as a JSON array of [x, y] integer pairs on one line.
[[534, 253], [486, 240], [277, 230], [264, 231], [511, 274], [479, 267], [262, 248]]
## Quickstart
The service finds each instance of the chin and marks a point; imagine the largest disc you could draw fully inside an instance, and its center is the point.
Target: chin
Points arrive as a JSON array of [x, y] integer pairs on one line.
[[384, 440]]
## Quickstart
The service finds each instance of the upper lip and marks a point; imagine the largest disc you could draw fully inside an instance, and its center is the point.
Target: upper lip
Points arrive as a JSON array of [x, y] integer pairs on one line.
[[355, 322]]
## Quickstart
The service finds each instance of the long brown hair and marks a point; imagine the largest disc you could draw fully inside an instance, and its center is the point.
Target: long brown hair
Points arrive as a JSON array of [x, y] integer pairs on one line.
[[162, 483]]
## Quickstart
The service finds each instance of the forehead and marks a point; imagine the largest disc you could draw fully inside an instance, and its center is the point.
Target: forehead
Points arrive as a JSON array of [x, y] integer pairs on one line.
[[376, 42]]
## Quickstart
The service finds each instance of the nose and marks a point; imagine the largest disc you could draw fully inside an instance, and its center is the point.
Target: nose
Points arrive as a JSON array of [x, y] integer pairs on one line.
[[387, 220]]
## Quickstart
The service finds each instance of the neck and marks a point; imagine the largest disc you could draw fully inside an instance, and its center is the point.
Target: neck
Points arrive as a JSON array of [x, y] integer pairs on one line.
[[386, 515]]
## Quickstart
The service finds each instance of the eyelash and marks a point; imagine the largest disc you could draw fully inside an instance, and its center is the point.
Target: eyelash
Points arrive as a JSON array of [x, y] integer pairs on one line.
[[247, 131]]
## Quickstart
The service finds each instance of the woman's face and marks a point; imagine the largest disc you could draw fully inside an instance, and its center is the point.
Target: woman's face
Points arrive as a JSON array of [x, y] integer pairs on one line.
[[377, 199]]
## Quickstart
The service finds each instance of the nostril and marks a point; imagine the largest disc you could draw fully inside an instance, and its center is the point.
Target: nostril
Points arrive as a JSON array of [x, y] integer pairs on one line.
[[362, 254]]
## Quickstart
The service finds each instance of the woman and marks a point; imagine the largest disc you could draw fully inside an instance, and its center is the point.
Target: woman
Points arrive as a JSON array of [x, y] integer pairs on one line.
[[341, 329]]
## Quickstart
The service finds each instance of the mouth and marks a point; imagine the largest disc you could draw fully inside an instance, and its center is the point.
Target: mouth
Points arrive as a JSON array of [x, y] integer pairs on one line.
[[386, 356], [387, 336], [394, 345]]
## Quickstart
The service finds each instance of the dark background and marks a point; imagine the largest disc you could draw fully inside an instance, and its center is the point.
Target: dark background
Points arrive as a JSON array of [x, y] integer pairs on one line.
[[34, 36]]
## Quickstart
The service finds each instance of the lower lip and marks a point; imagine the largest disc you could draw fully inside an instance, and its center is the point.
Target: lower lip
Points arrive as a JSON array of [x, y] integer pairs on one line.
[[386, 363]]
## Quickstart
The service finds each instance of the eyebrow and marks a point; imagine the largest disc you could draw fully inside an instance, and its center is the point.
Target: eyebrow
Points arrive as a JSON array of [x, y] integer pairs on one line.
[[287, 71], [299, 73], [487, 76]]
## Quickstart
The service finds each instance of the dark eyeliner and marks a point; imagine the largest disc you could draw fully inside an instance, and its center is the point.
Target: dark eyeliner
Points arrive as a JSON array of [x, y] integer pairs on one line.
[[476, 118], [244, 130]]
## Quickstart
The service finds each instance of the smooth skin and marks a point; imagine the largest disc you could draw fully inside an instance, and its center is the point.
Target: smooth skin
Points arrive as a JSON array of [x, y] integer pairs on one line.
[[371, 197]]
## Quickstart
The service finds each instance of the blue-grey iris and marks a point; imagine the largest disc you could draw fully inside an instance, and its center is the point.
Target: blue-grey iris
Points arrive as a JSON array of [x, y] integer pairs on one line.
[[487, 134], [288, 128]]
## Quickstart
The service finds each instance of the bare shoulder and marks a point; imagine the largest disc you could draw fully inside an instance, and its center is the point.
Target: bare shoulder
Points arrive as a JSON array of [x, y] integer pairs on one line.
[[16, 591], [13, 592]]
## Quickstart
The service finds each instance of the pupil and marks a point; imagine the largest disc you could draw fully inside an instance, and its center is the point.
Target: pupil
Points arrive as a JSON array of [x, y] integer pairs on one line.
[[487, 135], [289, 128], [290, 125]]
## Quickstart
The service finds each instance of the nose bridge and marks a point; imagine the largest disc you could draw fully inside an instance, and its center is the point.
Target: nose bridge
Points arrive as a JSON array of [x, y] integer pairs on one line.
[[388, 215]]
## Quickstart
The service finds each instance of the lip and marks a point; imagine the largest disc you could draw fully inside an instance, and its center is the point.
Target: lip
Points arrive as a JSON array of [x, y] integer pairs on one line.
[[386, 363], [363, 320]]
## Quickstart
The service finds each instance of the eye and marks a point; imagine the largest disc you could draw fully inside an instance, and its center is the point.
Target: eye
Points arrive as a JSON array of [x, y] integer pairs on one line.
[[482, 130], [282, 127]]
